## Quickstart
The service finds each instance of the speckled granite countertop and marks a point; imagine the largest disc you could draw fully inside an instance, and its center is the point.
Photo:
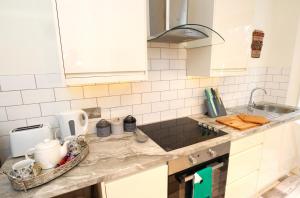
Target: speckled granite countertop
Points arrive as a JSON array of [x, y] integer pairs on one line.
[[118, 156]]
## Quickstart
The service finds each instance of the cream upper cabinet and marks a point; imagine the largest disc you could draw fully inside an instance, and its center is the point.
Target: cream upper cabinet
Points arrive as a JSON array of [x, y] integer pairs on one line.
[[232, 19], [103, 41], [152, 183]]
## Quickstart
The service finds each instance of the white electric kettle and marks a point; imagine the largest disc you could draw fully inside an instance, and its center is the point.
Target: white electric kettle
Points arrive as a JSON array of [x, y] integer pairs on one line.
[[73, 123]]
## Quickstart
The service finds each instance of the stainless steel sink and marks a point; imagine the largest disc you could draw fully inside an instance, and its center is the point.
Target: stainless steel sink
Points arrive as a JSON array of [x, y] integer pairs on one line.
[[274, 108]]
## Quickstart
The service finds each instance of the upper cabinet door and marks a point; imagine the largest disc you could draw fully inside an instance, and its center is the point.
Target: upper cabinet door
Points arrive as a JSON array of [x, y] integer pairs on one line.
[[103, 36]]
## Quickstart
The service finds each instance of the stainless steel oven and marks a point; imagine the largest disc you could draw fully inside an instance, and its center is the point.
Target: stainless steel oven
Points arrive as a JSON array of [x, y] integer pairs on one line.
[[181, 171]]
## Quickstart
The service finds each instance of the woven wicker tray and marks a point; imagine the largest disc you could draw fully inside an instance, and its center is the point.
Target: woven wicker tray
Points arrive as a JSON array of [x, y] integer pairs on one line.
[[46, 175]]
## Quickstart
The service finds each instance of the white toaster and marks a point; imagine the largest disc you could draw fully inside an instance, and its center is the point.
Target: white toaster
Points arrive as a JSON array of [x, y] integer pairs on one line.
[[23, 138]]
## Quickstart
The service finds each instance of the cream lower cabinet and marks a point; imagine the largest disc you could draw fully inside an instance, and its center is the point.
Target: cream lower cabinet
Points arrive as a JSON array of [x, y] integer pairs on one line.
[[279, 154], [258, 160], [243, 169], [152, 183]]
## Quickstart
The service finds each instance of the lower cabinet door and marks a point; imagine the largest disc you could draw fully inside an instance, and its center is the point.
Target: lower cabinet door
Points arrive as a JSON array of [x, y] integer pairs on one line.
[[151, 183], [244, 163], [244, 187]]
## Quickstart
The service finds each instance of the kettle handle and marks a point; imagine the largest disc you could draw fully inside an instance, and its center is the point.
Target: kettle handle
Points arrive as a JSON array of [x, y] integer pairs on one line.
[[86, 121]]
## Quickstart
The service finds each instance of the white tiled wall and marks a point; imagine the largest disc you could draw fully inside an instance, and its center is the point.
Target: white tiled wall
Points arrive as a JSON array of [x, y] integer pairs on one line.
[[169, 93]]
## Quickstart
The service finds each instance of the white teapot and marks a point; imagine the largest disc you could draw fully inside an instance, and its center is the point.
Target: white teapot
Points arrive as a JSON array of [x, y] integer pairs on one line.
[[49, 153]]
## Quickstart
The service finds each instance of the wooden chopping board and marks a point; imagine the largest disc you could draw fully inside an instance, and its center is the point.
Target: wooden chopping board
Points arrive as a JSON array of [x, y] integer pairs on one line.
[[235, 122], [253, 119]]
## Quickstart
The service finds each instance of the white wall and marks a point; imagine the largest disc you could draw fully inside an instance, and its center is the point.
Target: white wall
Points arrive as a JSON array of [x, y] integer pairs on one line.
[[293, 97], [278, 19]]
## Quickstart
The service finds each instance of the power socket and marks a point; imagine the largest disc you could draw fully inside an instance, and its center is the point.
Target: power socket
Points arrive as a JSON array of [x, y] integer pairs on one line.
[[93, 112]]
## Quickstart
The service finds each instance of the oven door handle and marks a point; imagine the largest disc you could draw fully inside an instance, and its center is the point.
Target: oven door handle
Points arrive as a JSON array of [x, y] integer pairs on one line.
[[190, 177]]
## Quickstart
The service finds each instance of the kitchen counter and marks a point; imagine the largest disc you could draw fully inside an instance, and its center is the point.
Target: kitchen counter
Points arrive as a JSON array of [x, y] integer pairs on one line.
[[117, 156]]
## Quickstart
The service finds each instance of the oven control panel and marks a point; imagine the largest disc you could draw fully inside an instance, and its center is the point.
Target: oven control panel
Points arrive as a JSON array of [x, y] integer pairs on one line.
[[208, 154]]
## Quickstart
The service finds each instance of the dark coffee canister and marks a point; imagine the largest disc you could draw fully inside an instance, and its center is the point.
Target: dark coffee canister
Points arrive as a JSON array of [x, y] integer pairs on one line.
[[129, 124], [103, 128]]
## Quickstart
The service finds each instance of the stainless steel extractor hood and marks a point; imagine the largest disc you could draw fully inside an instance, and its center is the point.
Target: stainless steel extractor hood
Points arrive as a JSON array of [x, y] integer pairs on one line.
[[179, 21]]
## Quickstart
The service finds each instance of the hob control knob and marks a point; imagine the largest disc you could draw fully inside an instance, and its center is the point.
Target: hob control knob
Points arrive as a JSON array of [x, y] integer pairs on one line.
[[212, 153], [192, 160]]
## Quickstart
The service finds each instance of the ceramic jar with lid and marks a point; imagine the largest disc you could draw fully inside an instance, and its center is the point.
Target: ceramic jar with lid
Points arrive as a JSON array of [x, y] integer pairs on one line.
[[103, 128], [129, 124]]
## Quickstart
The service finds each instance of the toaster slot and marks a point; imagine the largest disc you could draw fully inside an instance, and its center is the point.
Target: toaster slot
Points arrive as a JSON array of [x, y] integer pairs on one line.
[[27, 128]]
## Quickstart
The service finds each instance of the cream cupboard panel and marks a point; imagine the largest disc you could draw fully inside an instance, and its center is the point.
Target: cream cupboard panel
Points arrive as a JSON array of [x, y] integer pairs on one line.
[[290, 140], [244, 187], [147, 184], [244, 163], [28, 43], [246, 143], [233, 20], [102, 38], [271, 155]]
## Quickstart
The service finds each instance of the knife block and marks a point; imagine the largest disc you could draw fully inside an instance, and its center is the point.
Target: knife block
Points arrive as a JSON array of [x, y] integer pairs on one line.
[[221, 111]]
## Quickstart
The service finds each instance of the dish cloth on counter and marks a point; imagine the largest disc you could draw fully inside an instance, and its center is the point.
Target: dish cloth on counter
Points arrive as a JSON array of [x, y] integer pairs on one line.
[[202, 183]]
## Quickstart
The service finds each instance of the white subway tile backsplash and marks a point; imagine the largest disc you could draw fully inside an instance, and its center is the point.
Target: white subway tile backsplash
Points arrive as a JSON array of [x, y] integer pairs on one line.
[[154, 75], [168, 115], [206, 82], [159, 64], [177, 64], [160, 45], [10, 98], [280, 78], [160, 106], [151, 117], [18, 82], [177, 84], [131, 99], [168, 53], [229, 80], [160, 85], [283, 86], [3, 115], [177, 104], [169, 75], [272, 85], [53, 108], [108, 102], [280, 93], [184, 112], [69, 93], [192, 83], [95, 91], [141, 87], [83, 103], [189, 102], [23, 111], [49, 80], [168, 95], [121, 111], [154, 53], [274, 70], [181, 74], [9, 125], [38, 96], [141, 108], [50, 121], [185, 93], [182, 53], [151, 97], [120, 89]]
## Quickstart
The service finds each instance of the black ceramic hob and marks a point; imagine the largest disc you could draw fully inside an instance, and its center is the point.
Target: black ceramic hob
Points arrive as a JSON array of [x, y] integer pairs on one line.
[[178, 133]]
